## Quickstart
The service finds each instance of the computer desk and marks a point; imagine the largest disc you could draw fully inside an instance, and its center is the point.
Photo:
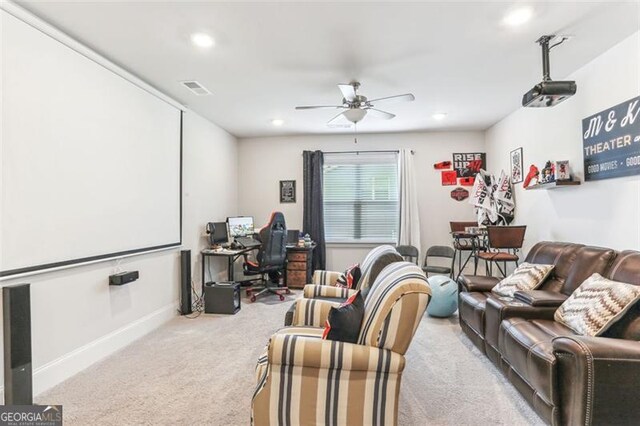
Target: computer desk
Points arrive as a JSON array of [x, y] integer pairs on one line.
[[231, 254]]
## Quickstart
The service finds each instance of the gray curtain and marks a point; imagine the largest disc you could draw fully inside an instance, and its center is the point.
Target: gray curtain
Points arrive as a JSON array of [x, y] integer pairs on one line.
[[313, 214]]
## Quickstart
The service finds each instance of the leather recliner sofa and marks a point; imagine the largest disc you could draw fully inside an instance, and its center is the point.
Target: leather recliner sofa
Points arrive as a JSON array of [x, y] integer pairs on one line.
[[567, 378]]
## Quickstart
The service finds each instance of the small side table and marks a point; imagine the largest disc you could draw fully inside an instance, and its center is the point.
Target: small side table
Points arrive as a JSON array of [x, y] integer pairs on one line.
[[299, 266]]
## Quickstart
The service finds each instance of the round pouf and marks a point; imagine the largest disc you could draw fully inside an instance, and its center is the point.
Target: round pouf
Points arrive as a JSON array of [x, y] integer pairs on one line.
[[444, 296]]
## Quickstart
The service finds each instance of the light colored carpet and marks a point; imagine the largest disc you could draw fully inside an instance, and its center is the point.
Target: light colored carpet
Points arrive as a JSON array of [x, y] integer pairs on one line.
[[200, 371]]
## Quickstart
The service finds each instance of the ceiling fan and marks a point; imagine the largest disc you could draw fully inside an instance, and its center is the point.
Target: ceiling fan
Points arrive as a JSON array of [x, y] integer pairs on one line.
[[356, 106]]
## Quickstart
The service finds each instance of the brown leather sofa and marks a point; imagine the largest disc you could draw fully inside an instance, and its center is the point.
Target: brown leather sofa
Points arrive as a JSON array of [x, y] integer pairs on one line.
[[568, 379]]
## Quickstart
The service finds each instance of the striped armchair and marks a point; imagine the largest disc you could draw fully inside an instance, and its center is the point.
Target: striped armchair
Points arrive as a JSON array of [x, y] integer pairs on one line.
[[323, 282], [302, 379]]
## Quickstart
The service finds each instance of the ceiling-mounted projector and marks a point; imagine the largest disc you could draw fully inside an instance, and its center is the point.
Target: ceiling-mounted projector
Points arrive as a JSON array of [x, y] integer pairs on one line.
[[548, 93]]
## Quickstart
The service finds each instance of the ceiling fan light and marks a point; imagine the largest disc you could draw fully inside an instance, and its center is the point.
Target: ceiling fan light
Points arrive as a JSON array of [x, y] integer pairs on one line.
[[355, 114]]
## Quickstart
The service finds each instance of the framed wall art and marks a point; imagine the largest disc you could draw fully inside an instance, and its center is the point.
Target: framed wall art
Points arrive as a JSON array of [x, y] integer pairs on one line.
[[517, 175], [287, 191]]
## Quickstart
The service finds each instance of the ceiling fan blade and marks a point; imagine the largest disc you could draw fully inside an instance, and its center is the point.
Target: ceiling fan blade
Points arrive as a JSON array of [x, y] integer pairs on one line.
[[335, 119], [348, 92], [319, 107], [407, 97], [381, 114]]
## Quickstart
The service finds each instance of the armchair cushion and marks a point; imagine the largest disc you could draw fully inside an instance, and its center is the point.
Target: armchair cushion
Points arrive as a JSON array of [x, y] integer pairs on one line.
[[343, 323], [596, 305], [288, 348], [527, 276]]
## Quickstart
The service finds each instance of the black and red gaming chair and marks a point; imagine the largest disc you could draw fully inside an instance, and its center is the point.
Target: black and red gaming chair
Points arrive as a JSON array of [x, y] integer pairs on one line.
[[271, 258]]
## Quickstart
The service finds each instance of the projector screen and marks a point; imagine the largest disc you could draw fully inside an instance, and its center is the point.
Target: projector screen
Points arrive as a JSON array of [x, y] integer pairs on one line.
[[91, 163]]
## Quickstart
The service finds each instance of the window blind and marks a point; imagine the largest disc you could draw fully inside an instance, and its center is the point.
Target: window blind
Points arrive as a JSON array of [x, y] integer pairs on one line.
[[361, 197]]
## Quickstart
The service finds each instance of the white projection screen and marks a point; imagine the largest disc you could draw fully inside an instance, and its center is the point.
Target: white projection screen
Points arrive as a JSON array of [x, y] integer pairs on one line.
[[91, 163]]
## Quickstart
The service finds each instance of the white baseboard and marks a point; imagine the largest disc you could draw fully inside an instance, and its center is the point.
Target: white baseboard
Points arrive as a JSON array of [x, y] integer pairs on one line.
[[60, 369]]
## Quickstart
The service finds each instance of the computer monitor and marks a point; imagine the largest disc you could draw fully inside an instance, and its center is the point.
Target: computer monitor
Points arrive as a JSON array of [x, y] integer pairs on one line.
[[292, 237], [220, 235], [240, 226]]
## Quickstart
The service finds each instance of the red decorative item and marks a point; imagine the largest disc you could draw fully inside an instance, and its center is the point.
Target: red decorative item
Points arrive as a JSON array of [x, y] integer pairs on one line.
[[534, 173], [449, 177], [442, 165], [459, 194], [467, 181]]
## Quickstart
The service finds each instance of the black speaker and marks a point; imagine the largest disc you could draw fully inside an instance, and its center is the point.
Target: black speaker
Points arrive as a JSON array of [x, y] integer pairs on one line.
[[18, 378], [185, 282], [221, 298]]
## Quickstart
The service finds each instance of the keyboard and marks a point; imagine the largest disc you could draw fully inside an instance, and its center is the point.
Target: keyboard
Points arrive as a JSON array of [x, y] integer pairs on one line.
[[248, 241]]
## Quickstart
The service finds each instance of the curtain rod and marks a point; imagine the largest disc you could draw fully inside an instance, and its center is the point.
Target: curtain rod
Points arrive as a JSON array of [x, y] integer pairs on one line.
[[364, 152]]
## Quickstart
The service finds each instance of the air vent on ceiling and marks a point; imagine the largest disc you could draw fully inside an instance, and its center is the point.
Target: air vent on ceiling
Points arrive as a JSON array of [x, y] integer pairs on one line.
[[196, 88]]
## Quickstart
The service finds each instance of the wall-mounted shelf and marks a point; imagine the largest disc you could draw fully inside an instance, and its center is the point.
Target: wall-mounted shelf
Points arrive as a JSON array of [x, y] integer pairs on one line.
[[554, 185]]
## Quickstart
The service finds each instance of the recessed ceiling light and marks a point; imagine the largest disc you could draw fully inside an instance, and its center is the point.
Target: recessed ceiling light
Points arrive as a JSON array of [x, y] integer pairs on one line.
[[439, 116], [518, 16], [202, 40], [277, 122]]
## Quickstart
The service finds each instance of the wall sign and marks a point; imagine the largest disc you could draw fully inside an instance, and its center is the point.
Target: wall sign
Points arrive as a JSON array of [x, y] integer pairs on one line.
[[469, 163], [287, 191], [449, 177], [459, 194], [611, 142]]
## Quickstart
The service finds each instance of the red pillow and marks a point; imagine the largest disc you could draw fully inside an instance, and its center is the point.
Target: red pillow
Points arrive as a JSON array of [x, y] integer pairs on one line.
[[350, 277]]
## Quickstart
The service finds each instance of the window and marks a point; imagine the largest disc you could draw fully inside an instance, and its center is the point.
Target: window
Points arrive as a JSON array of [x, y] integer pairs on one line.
[[361, 197]]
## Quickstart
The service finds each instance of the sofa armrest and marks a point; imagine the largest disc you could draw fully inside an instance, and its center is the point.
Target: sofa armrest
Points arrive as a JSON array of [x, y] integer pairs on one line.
[[325, 277], [540, 297], [311, 291], [500, 308], [305, 351], [476, 283], [598, 380], [312, 312]]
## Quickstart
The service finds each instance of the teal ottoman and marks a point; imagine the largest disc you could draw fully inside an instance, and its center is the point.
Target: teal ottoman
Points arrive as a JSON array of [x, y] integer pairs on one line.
[[444, 296]]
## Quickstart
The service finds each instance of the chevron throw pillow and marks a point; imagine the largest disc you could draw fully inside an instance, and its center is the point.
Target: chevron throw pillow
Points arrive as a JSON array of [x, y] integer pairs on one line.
[[596, 305], [527, 276]]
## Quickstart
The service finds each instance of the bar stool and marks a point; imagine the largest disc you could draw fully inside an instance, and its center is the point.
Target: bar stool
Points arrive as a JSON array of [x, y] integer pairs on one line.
[[507, 238], [463, 243]]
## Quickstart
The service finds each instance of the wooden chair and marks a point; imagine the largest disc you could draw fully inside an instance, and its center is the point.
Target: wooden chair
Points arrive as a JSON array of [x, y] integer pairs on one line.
[[504, 243]]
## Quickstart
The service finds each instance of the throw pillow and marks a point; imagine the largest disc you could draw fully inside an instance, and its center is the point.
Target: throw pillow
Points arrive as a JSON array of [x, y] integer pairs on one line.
[[343, 323], [596, 305], [527, 276], [350, 277]]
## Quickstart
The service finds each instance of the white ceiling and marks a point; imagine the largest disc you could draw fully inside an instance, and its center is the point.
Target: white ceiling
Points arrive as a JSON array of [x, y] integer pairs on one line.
[[456, 57]]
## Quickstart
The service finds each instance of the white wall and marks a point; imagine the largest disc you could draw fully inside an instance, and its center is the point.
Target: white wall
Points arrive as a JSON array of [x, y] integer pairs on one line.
[[604, 213], [265, 161], [77, 318]]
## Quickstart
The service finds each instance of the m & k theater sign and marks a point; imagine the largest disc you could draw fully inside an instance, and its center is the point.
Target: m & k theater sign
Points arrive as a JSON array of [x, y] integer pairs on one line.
[[611, 142]]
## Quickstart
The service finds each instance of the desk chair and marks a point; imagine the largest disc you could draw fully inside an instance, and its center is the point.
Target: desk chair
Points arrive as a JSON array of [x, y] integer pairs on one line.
[[410, 253], [504, 244], [271, 258]]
